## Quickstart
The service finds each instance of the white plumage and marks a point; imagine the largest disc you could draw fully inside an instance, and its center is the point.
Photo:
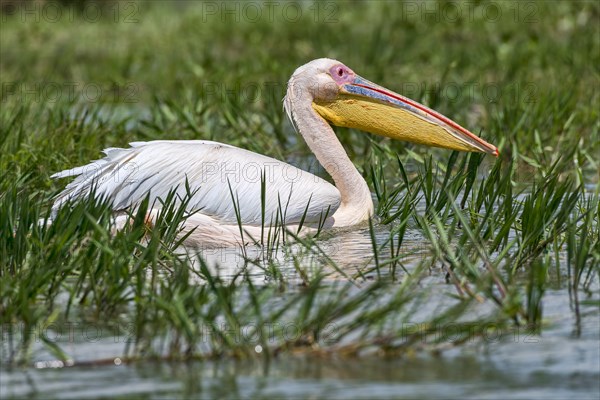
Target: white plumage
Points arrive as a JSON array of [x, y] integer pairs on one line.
[[213, 172]]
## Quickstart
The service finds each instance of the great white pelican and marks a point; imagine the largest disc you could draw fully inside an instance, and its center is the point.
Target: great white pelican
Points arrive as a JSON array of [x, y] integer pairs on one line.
[[226, 181]]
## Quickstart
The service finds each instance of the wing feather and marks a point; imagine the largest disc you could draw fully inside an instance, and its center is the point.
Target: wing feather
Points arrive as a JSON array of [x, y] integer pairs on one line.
[[126, 176]]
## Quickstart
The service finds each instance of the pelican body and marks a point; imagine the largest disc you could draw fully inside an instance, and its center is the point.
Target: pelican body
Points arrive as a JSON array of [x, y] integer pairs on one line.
[[226, 183]]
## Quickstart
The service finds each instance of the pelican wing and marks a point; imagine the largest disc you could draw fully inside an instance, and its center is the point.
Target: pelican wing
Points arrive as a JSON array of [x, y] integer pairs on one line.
[[213, 171]]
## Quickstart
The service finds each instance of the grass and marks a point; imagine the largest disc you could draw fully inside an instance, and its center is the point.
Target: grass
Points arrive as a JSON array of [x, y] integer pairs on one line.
[[496, 233]]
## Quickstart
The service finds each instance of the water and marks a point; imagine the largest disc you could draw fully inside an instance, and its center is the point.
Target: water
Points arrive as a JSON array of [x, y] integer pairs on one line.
[[563, 362], [556, 365]]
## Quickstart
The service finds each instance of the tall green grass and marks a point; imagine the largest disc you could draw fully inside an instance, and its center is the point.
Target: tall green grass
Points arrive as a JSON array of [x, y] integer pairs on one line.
[[496, 232]]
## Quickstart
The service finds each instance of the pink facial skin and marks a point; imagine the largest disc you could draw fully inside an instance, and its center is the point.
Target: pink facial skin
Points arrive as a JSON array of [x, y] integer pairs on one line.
[[342, 74]]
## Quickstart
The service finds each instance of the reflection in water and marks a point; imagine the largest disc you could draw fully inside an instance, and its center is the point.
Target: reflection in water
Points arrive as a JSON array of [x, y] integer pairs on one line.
[[544, 369], [347, 252], [518, 365]]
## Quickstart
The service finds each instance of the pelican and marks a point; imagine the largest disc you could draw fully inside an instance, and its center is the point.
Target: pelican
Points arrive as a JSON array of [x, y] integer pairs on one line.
[[226, 182]]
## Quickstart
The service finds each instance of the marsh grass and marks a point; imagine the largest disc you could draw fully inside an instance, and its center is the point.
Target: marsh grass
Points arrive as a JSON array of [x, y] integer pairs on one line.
[[497, 232]]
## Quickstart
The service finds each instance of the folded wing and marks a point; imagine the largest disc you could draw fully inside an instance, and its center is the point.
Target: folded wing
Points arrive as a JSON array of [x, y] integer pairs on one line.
[[213, 171]]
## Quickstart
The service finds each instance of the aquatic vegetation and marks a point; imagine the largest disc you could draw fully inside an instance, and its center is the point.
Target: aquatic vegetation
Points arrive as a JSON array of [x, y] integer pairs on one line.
[[482, 239]]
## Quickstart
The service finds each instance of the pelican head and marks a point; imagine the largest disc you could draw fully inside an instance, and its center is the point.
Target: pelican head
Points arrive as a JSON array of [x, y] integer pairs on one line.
[[344, 98]]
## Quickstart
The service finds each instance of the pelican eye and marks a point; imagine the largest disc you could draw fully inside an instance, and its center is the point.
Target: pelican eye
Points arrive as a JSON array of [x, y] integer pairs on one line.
[[340, 73]]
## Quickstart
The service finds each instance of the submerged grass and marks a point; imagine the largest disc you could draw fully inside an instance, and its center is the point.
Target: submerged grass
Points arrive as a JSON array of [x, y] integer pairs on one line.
[[498, 232]]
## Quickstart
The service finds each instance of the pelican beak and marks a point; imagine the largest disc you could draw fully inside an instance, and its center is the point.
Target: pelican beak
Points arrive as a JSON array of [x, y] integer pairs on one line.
[[369, 107]]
